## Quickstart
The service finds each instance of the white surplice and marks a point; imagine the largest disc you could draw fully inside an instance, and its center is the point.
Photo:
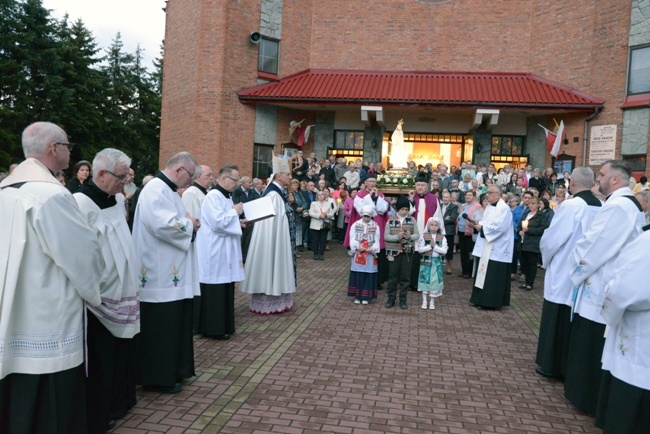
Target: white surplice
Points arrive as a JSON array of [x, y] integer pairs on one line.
[[50, 262], [120, 308], [498, 231], [617, 223], [218, 242], [568, 226], [163, 242], [626, 311], [193, 198]]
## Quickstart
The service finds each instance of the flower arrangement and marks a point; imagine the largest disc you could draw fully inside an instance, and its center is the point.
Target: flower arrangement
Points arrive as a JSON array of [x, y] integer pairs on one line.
[[400, 180]]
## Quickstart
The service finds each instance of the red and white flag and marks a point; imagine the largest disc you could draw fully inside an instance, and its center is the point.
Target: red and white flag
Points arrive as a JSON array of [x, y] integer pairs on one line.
[[555, 138]]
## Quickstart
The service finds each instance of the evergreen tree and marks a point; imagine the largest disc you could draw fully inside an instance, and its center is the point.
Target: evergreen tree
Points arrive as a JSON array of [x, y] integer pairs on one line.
[[81, 107], [50, 70], [10, 73]]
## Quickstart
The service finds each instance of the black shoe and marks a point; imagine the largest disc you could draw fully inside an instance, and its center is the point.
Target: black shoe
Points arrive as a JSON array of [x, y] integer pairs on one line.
[[110, 425], [526, 287], [163, 389], [301, 249], [321, 257], [389, 304], [222, 337], [403, 305], [544, 373], [315, 257]]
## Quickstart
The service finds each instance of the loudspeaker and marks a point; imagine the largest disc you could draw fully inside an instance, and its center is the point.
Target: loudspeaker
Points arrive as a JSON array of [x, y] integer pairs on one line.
[[255, 37]]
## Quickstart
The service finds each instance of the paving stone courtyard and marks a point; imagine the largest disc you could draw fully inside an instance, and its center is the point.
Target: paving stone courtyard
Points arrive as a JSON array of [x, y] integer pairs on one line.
[[332, 366]]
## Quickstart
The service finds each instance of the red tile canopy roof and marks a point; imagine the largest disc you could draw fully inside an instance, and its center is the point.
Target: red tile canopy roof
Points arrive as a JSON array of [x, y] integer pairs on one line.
[[329, 86]]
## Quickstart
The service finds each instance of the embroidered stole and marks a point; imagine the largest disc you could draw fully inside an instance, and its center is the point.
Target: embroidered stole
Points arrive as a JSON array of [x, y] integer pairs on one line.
[[487, 248]]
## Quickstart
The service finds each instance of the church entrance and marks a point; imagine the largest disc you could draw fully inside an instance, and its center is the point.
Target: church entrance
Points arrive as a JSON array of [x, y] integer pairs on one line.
[[448, 149]]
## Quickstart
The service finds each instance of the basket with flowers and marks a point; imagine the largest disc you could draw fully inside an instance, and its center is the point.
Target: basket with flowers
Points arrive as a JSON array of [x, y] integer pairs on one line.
[[399, 180]]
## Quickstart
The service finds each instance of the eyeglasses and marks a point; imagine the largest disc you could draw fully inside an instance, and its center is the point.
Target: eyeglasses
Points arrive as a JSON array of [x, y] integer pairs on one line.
[[237, 181], [188, 172], [120, 178], [69, 145]]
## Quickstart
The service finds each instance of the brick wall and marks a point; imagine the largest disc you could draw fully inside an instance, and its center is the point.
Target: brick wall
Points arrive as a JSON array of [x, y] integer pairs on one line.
[[208, 56]]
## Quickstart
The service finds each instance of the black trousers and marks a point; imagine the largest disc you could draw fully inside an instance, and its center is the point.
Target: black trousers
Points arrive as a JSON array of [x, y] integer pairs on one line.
[[318, 241], [529, 266], [399, 273], [466, 245], [450, 247], [516, 255]]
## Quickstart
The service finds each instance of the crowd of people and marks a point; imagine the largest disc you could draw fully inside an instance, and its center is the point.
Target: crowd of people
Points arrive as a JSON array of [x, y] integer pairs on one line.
[[152, 266]]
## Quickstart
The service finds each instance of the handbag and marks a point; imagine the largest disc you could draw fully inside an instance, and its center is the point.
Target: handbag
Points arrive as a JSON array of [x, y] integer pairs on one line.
[[305, 214], [327, 225]]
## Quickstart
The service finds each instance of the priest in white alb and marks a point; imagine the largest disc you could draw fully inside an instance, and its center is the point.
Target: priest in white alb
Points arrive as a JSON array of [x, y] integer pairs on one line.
[[193, 198], [568, 226], [493, 249], [111, 326], [271, 263], [616, 224], [164, 234], [219, 253], [624, 399], [50, 265]]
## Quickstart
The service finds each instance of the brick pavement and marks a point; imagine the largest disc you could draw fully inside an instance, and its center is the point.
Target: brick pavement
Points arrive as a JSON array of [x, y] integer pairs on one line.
[[332, 366]]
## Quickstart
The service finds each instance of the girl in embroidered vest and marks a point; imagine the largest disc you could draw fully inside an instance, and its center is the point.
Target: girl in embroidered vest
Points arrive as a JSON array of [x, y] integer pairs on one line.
[[364, 247], [432, 246]]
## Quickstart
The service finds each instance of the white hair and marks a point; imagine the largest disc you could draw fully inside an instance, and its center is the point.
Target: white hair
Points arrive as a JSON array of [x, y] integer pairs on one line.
[[39, 135], [109, 158], [583, 177]]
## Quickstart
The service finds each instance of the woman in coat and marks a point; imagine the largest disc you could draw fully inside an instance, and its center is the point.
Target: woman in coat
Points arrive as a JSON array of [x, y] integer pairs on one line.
[[321, 214], [82, 171], [530, 229]]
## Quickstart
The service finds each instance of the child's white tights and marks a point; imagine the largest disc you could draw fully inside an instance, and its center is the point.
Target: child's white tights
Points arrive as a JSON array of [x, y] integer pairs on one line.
[[431, 304]]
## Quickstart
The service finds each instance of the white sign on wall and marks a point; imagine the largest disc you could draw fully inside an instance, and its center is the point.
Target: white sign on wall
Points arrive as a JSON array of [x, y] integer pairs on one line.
[[602, 146]]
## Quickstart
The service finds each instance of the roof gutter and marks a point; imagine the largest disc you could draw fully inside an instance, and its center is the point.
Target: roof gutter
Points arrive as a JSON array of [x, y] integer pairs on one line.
[[274, 100], [584, 145]]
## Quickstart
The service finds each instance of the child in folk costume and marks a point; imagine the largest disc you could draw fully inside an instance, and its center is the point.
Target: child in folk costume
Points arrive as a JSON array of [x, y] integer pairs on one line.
[[432, 247], [401, 232], [364, 247]]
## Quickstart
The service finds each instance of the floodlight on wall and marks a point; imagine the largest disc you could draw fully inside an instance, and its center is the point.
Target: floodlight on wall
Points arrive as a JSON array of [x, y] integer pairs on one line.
[[255, 37]]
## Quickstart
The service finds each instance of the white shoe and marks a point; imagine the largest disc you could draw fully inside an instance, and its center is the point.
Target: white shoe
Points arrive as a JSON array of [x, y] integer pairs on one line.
[[424, 305], [357, 301], [364, 302], [432, 305]]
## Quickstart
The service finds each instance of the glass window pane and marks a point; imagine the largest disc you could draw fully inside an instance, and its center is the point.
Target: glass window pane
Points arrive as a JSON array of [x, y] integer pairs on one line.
[[640, 70], [349, 140], [496, 149], [262, 160], [268, 56], [517, 146], [506, 146], [358, 141]]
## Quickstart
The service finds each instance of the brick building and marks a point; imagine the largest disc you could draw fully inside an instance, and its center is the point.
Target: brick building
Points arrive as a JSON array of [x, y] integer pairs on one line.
[[471, 80]]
